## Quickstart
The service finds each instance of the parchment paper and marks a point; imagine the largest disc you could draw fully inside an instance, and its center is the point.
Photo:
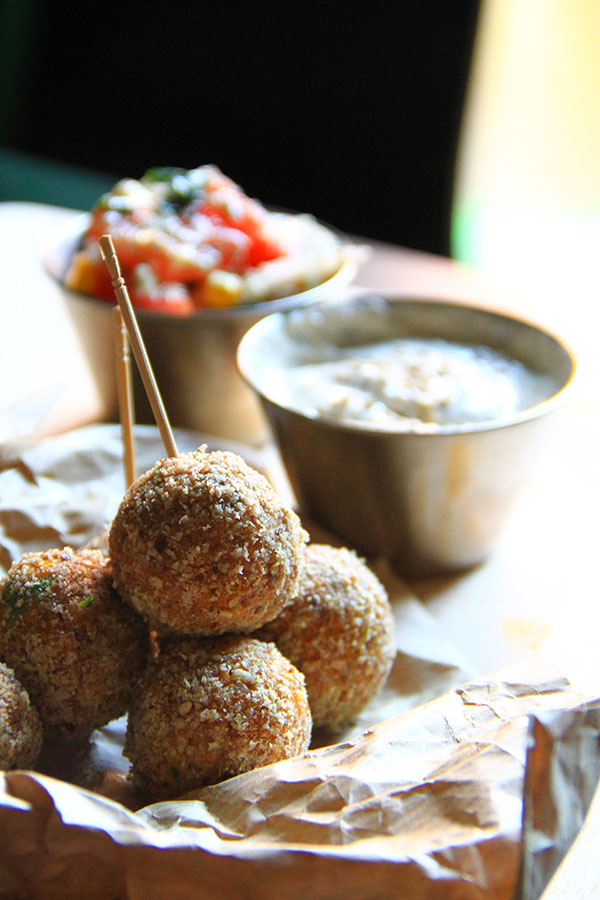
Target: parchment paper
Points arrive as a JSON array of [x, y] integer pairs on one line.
[[425, 796]]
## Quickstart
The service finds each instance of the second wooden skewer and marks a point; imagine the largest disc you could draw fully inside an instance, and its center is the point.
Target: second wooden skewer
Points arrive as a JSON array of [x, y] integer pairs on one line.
[[125, 395], [137, 344]]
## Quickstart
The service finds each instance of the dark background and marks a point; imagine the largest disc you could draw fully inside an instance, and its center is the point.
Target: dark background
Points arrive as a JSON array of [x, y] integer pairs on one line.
[[349, 111]]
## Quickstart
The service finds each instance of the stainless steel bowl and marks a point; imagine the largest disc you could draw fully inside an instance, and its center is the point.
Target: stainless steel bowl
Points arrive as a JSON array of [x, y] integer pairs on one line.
[[193, 357], [432, 502]]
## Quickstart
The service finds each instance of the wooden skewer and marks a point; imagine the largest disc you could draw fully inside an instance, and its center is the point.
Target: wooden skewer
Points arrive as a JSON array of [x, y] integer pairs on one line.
[[137, 345], [125, 395]]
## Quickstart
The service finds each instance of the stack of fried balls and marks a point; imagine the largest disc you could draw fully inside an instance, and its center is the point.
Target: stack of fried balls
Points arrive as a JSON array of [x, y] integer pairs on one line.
[[212, 621]]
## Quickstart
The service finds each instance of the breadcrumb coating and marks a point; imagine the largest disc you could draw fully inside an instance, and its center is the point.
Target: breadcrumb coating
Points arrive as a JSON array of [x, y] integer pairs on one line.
[[339, 631], [20, 725], [73, 644], [210, 708], [202, 544]]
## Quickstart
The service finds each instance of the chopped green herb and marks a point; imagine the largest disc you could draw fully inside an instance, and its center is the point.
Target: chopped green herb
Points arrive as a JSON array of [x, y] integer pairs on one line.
[[86, 601], [19, 600], [182, 187], [162, 173]]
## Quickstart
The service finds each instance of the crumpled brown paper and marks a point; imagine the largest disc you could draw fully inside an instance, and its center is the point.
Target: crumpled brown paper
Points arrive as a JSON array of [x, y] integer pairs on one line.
[[413, 801], [425, 805]]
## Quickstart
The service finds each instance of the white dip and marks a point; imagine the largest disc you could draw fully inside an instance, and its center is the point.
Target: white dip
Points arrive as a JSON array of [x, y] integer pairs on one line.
[[411, 384]]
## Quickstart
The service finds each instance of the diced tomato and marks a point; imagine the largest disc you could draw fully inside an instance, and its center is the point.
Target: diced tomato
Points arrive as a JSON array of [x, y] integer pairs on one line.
[[103, 287], [177, 247], [263, 251]]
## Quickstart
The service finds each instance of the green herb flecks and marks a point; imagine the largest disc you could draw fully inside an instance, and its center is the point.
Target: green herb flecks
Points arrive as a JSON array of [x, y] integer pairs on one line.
[[20, 599], [162, 173], [183, 187], [86, 601]]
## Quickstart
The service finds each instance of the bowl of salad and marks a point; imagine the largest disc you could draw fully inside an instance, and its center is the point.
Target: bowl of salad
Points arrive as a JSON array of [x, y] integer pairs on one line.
[[202, 262]]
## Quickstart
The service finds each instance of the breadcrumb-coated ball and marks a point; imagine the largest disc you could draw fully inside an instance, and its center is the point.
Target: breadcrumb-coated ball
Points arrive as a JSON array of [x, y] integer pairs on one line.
[[73, 644], [20, 725], [202, 544], [339, 631], [210, 708]]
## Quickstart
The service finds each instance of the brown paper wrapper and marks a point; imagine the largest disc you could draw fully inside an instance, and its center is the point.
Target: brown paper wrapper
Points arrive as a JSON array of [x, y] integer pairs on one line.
[[427, 804], [444, 788]]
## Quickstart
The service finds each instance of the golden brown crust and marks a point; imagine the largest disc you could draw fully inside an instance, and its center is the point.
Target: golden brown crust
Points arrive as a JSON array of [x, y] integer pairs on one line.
[[210, 708], [74, 645], [20, 725], [202, 544], [339, 631]]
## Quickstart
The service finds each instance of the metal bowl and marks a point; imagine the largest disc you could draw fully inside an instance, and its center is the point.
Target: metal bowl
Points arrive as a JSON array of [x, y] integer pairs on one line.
[[193, 357], [431, 501]]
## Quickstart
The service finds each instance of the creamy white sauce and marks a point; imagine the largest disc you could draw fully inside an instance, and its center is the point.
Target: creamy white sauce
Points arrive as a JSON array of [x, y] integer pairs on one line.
[[411, 384]]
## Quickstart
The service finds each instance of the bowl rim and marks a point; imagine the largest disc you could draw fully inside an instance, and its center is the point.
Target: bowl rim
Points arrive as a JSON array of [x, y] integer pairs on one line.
[[536, 411], [71, 230]]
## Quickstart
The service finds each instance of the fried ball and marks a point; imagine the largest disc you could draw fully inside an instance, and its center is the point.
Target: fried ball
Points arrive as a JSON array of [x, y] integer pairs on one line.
[[202, 544], [339, 631], [210, 708], [20, 725], [74, 645]]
